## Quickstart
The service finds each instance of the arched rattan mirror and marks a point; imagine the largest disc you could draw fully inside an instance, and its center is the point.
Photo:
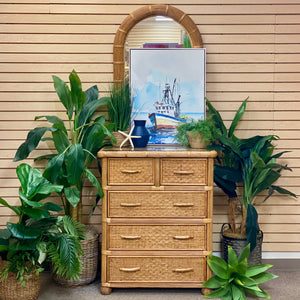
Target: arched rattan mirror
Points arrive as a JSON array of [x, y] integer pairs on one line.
[[141, 14]]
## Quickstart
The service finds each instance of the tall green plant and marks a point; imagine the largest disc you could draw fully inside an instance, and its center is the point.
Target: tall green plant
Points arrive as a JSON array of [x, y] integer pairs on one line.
[[76, 144], [37, 235], [119, 106], [233, 279], [251, 162]]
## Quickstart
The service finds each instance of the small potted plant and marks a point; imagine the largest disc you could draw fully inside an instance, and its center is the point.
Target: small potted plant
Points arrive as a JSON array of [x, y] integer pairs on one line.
[[37, 236], [119, 107], [233, 278], [196, 133], [252, 164]]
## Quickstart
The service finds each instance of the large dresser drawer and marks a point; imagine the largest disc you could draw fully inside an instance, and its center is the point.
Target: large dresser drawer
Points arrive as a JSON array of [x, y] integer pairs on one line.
[[157, 237], [183, 171], [130, 171], [156, 269], [142, 204]]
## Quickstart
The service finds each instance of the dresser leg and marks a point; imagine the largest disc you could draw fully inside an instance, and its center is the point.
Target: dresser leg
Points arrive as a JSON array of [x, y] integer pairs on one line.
[[205, 291], [105, 290]]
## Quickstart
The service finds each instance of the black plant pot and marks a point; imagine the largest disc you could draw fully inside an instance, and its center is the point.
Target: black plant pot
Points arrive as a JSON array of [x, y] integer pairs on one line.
[[239, 244]]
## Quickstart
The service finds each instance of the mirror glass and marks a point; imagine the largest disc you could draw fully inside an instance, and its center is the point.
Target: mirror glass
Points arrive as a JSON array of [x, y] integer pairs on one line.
[[154, 32]]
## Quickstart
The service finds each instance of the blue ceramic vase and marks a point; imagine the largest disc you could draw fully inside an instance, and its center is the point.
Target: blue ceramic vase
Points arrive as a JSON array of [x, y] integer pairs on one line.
[[140, 130]]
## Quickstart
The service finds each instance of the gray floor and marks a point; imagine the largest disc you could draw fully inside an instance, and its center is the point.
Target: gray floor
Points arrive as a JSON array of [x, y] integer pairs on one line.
[[285, 287]]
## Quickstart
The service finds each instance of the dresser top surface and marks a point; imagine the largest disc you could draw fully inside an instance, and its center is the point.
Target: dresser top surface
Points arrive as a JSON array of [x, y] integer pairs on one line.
[[156, 151]]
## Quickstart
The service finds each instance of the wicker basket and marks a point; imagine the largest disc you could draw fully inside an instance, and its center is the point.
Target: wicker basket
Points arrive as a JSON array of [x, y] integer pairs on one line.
[[89, 261], [120, 138], [195, 140], [11, 289], [239, 244]]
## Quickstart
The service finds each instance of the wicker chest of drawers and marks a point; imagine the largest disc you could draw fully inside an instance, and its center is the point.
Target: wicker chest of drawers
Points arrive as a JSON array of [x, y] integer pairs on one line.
[[156, 217]]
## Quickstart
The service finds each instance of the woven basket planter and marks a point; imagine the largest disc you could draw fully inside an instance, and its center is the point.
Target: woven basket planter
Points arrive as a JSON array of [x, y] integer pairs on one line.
[[239, 244], [195, 140], [90, 248], [120, 138], [11, 289]]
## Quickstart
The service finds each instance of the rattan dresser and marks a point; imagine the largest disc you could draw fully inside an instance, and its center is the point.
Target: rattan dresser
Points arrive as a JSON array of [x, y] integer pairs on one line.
[[156, 218]]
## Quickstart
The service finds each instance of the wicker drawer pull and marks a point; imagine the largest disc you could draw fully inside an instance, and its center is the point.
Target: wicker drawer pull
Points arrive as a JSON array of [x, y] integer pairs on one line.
[[183, 270], [182, 237], [130, 204], [183, 204], [130, 171], [130, 237], [130, 269], [183, 172]]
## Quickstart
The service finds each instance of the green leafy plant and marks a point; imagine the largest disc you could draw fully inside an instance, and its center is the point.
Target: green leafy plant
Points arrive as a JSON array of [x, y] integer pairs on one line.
[[186, 42], [233, 279], [204, 127], [76, 147], [37, 235], [250, 162], [119, 106]]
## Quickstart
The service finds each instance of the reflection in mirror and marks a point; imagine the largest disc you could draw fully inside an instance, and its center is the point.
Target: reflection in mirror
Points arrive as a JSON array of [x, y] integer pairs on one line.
[[154, 32]]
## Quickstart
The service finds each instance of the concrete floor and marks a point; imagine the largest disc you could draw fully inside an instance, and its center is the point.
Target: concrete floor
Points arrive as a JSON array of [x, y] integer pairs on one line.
[[285, 287]]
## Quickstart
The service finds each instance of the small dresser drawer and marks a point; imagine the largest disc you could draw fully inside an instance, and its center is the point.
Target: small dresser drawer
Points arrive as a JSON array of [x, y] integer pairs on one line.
[[183, 171], [139, 204], [157, 237], [156, 269], [130, 171]]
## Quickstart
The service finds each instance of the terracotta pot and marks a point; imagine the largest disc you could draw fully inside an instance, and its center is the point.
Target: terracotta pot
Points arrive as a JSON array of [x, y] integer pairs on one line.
[[195, 140]]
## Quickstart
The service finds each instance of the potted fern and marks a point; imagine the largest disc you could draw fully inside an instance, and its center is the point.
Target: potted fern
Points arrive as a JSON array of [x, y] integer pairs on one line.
[[196, 133], [77, 142], [252, 164], [36, 237]]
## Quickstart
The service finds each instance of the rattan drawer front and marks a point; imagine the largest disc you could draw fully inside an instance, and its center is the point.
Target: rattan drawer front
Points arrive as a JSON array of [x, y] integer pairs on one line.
[[183, 171], [157, 237], [157, 204], [130, 171], [156, 269]]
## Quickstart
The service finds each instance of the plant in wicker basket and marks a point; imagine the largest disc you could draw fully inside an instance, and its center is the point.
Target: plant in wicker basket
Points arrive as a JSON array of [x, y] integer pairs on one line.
[[250, 163], [37, 236], [231, 280]]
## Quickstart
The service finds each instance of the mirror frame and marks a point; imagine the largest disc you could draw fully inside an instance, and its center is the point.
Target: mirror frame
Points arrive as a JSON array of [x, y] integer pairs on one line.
[[141, 14]]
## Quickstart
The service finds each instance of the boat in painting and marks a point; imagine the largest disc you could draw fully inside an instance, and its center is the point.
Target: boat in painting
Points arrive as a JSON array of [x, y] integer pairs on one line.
[[167, 110]]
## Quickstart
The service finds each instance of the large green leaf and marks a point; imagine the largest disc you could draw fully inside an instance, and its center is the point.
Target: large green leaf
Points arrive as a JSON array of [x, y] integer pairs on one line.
[[257, 269], [218, 266], [51, 119], [36, 213], [29, 202], [30, 178], [216, 117], [74, 163], [54, 167], [64, 95], [214, 282], [263, 277], [252, 228], [73, 195], [244, 254], [33, 138], [47, 188], [237, 117], [77, 95], [258, 293], [60, 138], [264, 180], [92, 178], [52, 207], [219, 293], [13, 208], [20, 231], [232, 259]]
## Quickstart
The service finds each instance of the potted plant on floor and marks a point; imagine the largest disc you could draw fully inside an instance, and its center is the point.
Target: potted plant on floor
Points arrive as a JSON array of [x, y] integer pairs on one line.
[[252, 163], [76, 144], [196, 133], [233, 278], [119, 107], [35, 237]]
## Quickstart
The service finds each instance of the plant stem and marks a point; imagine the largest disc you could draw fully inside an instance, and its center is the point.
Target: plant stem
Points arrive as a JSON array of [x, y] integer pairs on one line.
[[231, 201]]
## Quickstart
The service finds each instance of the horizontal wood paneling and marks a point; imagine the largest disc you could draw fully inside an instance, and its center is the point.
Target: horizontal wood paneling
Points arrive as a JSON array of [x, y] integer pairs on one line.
[[253, 49]]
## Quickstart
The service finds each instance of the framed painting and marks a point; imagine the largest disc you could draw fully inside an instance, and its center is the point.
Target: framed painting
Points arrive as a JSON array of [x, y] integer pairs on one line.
[[167, 88]]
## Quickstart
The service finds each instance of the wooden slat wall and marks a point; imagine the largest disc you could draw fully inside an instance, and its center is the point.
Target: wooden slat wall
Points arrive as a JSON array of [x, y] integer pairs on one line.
[[253, 49]]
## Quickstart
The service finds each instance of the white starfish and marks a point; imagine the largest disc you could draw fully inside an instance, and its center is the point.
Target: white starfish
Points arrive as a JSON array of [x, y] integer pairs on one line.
[[128, 137]]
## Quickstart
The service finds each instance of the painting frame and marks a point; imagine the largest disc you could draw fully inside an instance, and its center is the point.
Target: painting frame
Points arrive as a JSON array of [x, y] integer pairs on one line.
[[167, 88]]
